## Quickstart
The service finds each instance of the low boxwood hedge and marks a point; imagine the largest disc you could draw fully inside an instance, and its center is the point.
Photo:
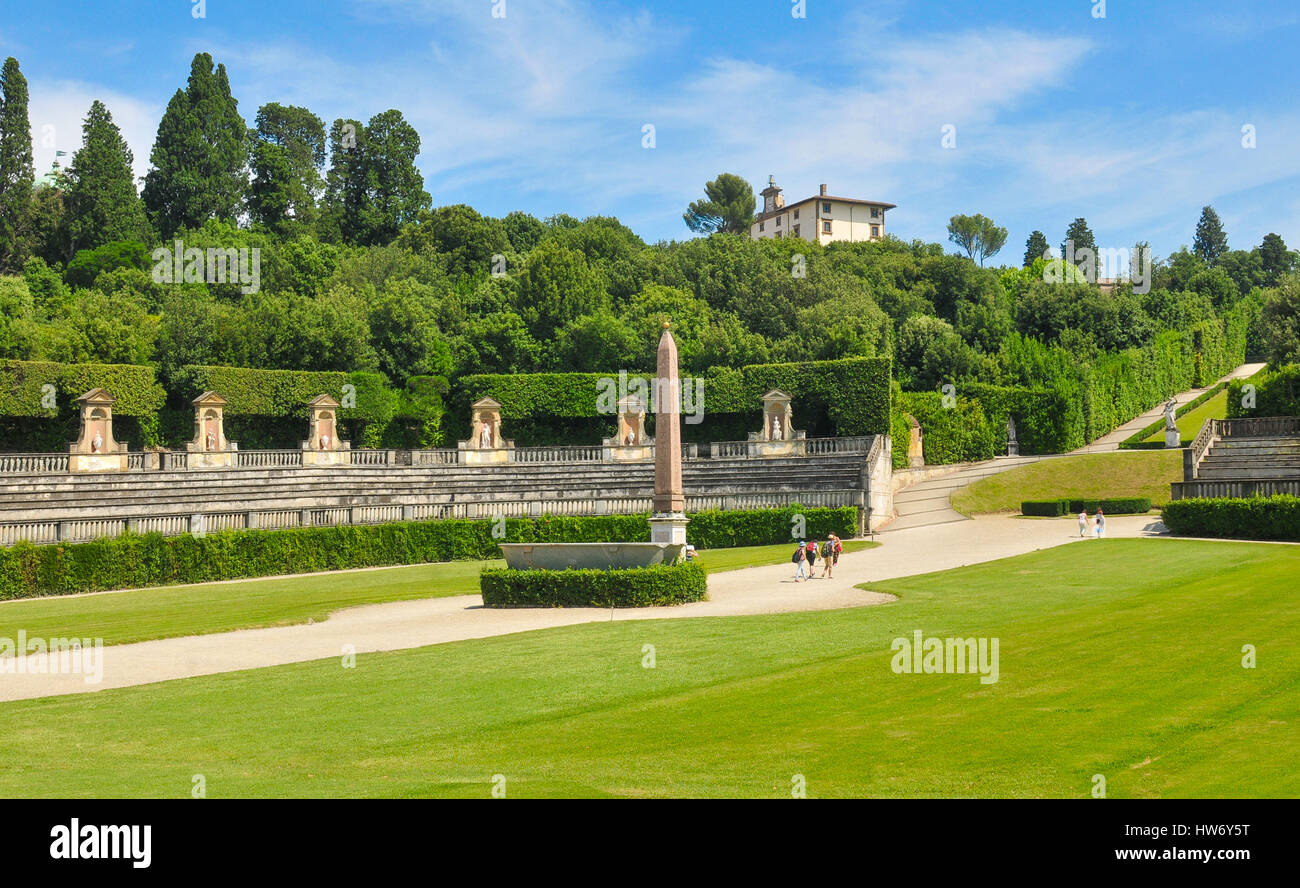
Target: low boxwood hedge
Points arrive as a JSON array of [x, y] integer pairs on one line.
[[629, 587], [1250, 518], [1128, 505], [135, 561], [1044, 508]]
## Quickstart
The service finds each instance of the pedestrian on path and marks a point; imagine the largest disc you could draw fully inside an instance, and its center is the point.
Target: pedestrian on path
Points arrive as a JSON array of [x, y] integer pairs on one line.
[[799, 560], [1083, 523], [810, 552], [1101, 524], [831, 555]]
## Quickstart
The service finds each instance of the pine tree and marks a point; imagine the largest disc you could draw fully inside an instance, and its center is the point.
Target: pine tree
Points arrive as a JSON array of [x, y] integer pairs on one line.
[[1274, 258], [373, 187], [1211, 242], [102, 205], [288, 153], [200, 155], [1035, 247], [16, 172], [1081, 235]]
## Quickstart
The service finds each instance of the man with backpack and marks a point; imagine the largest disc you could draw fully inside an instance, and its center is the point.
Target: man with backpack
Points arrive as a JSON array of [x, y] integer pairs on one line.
[[831, 555]]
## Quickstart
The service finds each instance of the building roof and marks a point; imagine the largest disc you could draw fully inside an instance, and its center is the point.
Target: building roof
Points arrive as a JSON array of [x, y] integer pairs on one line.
[[817, 197]]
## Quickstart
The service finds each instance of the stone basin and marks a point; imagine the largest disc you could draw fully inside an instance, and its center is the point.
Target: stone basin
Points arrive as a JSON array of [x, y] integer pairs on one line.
[[599, 556]]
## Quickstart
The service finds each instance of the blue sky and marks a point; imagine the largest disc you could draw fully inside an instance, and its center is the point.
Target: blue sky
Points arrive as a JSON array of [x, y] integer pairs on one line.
[[1133, 120]]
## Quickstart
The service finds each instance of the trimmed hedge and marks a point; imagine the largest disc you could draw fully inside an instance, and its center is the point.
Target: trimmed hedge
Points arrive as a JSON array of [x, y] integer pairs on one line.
[[1250, 518], [853, 393], [1277, 393], [1127, 505], [630, 587], [1044, 508], [21, 382], [136, 561]]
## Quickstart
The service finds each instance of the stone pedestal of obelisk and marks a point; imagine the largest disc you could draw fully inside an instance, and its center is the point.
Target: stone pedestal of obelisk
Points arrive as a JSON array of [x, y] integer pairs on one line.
[[668, 521]]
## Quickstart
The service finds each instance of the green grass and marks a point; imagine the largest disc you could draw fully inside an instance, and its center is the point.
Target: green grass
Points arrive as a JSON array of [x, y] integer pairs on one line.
[[1117, 657], [1087, 476], [1189, 424], [170, 611]]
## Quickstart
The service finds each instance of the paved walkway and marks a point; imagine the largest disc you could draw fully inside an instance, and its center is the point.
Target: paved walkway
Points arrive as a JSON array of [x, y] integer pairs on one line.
[[410, 624], [927, 503]]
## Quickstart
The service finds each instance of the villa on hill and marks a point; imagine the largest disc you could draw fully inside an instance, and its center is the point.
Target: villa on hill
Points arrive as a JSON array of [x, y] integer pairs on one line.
[[823, 218]]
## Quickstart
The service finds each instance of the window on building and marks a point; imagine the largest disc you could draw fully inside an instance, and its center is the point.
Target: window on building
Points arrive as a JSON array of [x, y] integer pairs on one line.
[[796, 231], [875, 212], [826, 227], [826, 206], [761, 225], [778, 221], [796, 214], [875, 231]]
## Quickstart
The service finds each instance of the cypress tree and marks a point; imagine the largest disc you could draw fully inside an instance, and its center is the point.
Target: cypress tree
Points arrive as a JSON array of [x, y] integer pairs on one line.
[[1035, 247], [200, 156], [288, 152], [1081, 235], [1211, 242], [102, 203], [16, 172]]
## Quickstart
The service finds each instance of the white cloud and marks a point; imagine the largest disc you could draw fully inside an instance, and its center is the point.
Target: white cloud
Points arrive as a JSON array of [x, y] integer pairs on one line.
[[58, 108]]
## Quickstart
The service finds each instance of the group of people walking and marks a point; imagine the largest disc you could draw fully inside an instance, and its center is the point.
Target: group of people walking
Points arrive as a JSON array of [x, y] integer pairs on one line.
[[1099, 525], [806, 554]]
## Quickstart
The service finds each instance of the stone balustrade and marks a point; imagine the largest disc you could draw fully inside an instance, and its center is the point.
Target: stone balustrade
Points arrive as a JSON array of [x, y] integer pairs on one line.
[[169, 460], [199, 523]]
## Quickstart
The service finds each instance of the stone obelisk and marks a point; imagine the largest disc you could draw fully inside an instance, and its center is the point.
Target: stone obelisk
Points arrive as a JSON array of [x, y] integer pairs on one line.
[[668, 523]]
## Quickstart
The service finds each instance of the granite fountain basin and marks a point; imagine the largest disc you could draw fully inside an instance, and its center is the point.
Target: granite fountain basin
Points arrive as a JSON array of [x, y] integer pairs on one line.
[[598, 556]]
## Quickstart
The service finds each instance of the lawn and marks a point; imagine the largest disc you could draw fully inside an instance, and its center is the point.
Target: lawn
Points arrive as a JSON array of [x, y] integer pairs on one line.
[[1087, 476], [1189, 424], [1119, 657], [169, 611]]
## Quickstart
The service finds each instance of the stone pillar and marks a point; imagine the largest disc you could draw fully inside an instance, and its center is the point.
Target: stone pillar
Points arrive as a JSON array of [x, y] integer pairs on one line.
[[95, 450], [915, 444], [210, 449], [778, 436], [486, 442], [630, 443], [323, 447], [668, 523]]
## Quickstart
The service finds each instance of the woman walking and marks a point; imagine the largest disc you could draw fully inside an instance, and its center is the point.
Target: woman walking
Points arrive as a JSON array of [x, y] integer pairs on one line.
[[799, 560]]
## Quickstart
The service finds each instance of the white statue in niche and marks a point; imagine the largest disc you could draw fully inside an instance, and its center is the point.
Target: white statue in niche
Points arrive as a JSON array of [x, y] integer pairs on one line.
[[631, 437], [485, 437], [776, 428], [211, 440], [325, 441], [97, 445]]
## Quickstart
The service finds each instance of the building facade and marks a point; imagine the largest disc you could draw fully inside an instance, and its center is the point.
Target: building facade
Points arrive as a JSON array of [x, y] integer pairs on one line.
[[824, 218]]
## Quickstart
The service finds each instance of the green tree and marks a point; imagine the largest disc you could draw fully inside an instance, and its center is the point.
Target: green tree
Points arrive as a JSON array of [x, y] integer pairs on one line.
[[16, 171], [1279, 322], [373, 187], [1211, 242], [286, 159], [102, 205], [728, 207], [200, 156], [1079, 235], [1275, 259], [557, 286], [977, 235], [1035, 247]]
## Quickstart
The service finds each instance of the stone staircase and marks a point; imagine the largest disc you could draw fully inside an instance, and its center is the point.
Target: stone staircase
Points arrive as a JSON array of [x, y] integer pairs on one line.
[[1251, 459], [926, 503], [155, 493]]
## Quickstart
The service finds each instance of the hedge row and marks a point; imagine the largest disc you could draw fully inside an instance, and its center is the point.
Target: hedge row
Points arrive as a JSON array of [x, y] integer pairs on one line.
[[1252, 518], [853, 394], [136, 561], [22, 387], [1276, 391], [1125, 505], [631, 587]]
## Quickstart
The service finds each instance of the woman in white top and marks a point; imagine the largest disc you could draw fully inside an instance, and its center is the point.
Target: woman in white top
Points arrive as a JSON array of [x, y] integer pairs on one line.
[[1083, 524]]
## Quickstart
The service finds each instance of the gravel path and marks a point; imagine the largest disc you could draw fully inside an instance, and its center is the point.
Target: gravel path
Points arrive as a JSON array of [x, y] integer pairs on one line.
[[410, 624]]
